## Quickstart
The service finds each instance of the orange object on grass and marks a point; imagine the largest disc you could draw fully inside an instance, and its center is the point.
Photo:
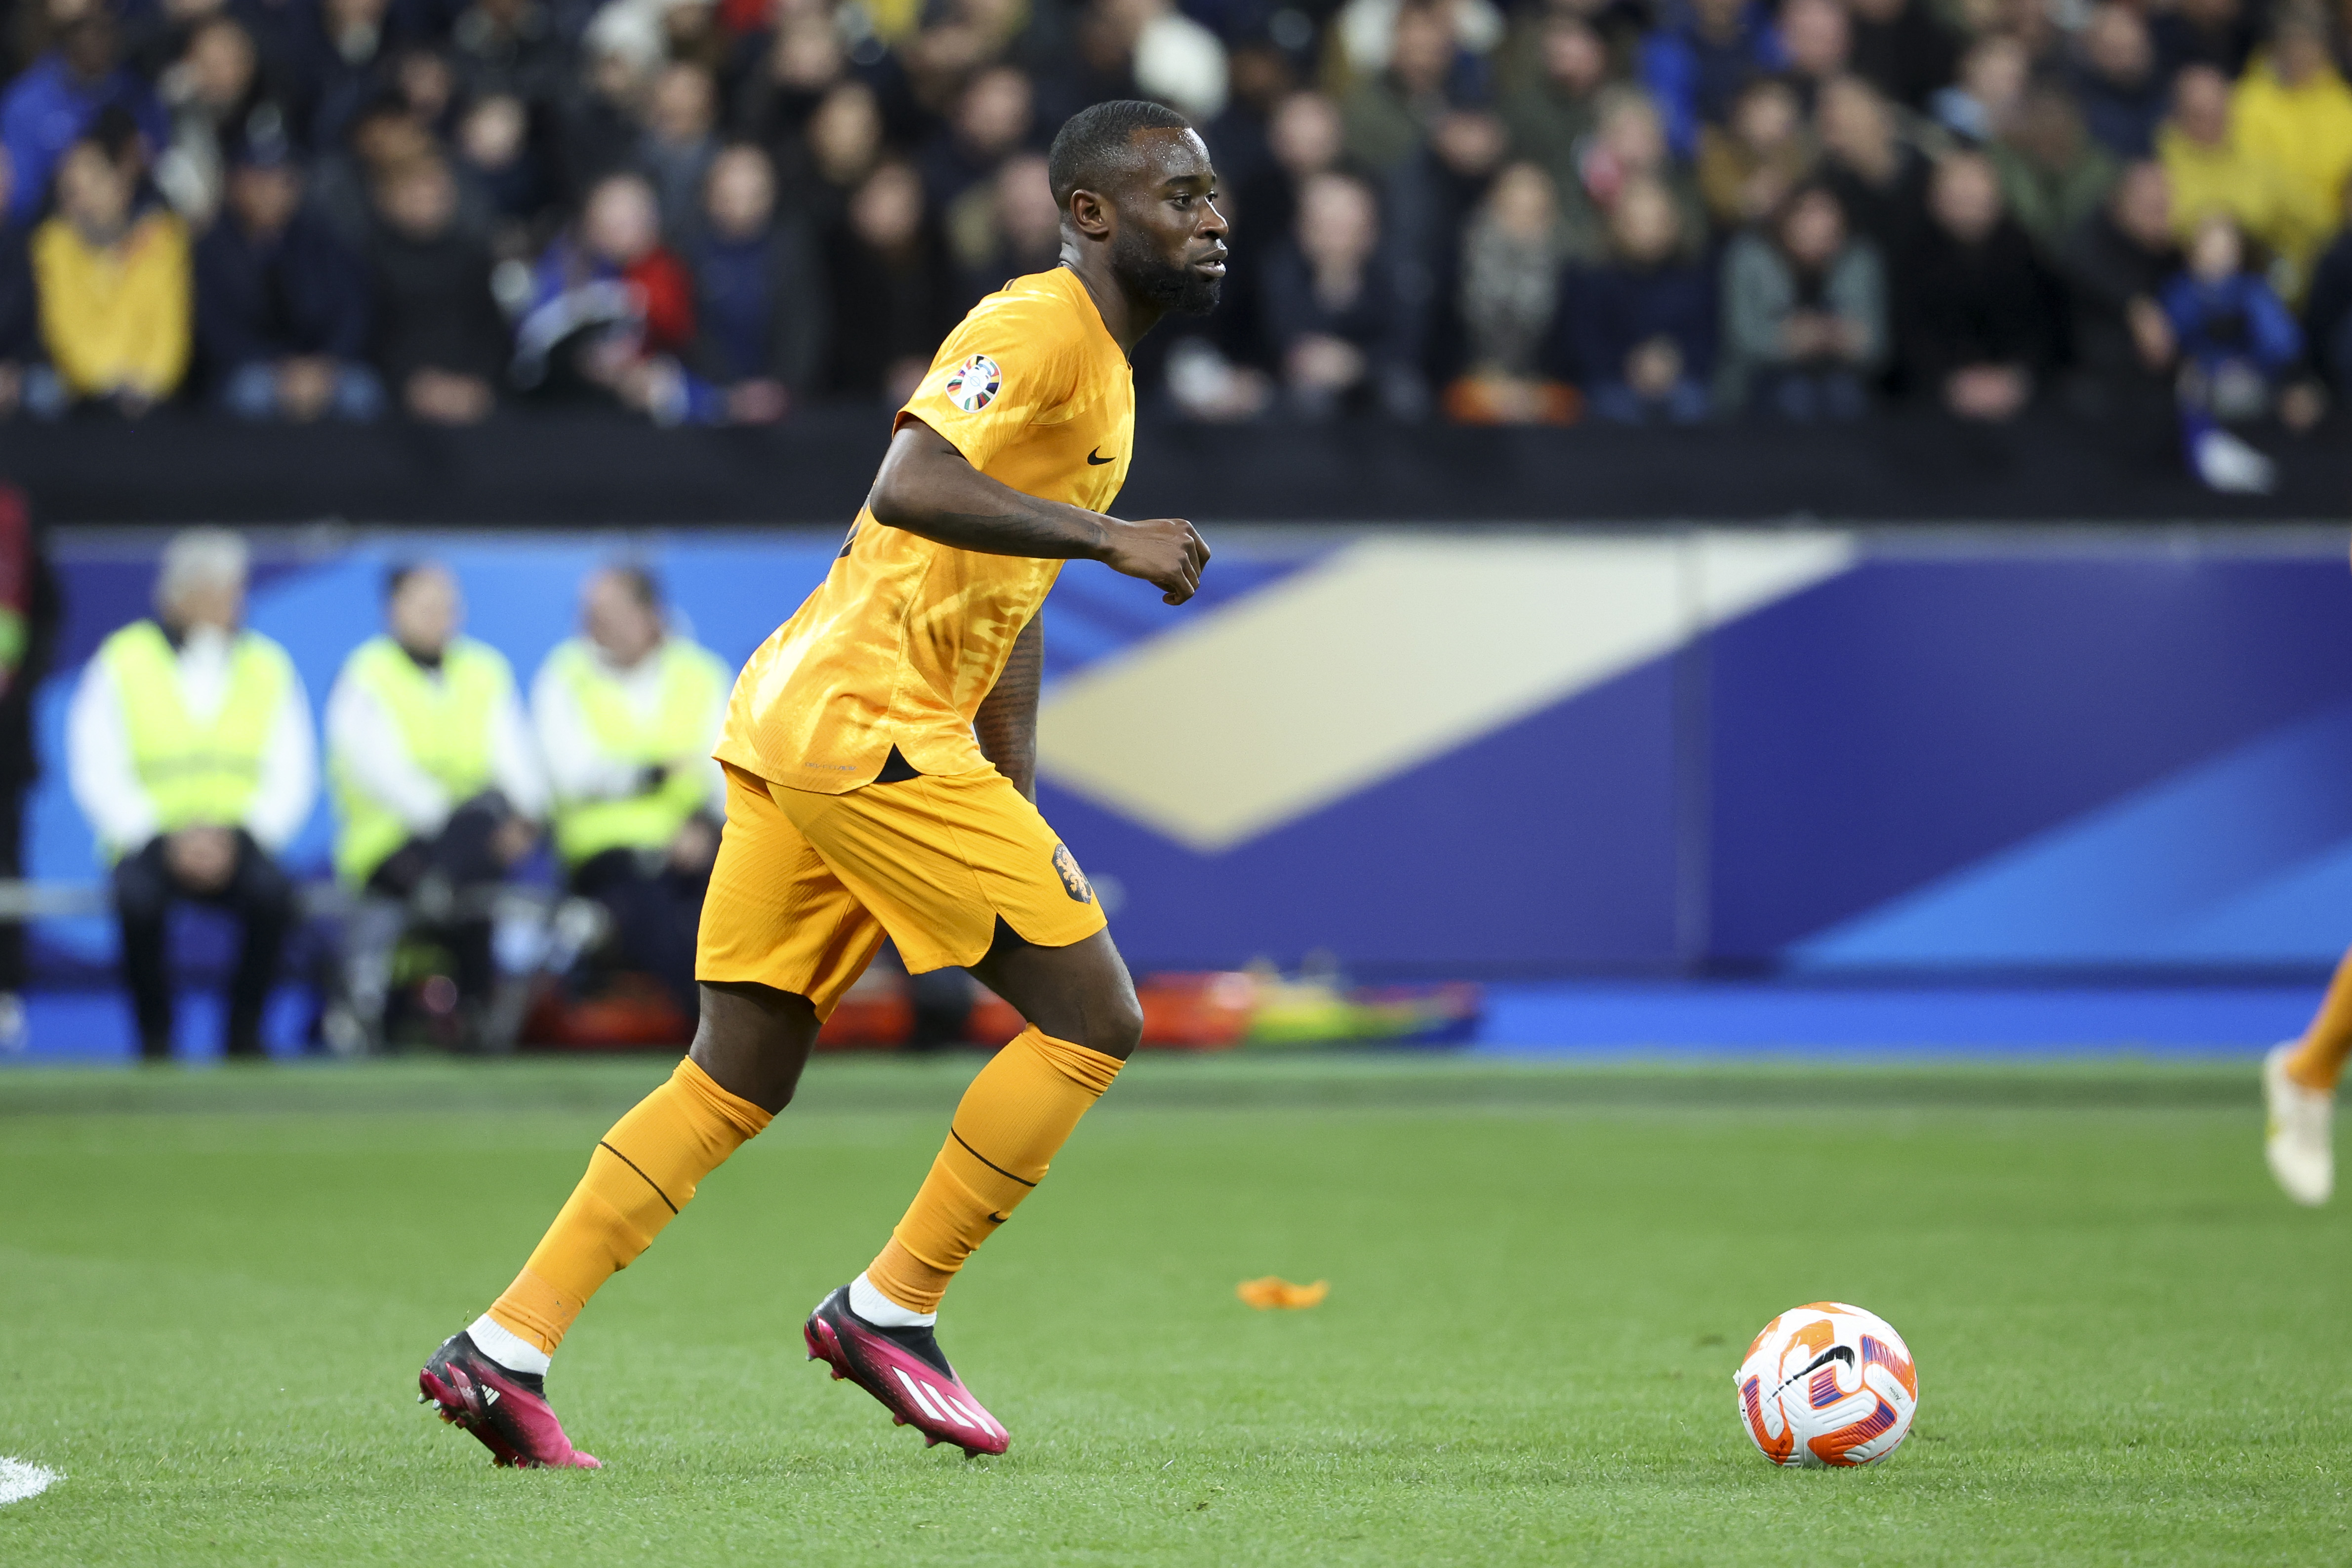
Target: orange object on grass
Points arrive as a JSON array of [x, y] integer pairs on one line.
[[1273, 1291]]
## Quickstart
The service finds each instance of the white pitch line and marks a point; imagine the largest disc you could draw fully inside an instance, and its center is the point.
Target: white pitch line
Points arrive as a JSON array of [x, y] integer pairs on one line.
[[20, 1478]]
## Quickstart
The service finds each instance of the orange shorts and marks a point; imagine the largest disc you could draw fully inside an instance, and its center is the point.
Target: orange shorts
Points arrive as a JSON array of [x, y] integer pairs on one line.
[[807, 886]]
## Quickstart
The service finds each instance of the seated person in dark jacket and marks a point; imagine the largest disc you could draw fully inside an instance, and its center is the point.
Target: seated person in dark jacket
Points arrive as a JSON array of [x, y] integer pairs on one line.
[[759, 299], [1641, 327], [440, 337], [1341, 330], [2116, 264], [2328, 315], [1981, 318], [2237, 341], [282, 307]]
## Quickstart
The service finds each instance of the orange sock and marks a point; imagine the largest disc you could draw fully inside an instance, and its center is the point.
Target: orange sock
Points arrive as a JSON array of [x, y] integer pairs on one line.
[[643, 1173], [1016, 1114], [2318, 1061]]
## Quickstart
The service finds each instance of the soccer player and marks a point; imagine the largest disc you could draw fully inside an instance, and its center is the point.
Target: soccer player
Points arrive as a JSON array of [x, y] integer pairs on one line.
[[880, 758]]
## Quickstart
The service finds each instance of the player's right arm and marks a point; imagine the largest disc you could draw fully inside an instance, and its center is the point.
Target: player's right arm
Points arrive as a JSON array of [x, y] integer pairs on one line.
[[927, 486]]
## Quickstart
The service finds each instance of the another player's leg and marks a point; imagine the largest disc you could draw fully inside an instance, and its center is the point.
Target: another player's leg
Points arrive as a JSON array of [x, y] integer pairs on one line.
[[1084, 1022], [748, 1049], [2299, 1080]]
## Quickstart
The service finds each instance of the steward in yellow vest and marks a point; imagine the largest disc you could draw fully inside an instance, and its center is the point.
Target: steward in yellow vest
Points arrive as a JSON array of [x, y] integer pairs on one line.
[[189, 747], [437, 793], [627, 716]]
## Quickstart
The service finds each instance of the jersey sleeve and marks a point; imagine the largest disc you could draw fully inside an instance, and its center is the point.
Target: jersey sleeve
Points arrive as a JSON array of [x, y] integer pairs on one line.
[[1009, 362]]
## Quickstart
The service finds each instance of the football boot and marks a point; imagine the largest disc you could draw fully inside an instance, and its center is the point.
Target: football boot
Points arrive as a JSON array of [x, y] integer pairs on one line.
[[507, 1410], [904, 1369]]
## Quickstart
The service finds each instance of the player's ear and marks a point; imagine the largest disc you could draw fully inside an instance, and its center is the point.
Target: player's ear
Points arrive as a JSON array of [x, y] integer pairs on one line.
[[1089, 214]]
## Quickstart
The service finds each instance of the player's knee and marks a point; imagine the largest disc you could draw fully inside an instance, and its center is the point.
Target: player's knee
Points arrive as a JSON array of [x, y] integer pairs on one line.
[[1117, 1029]]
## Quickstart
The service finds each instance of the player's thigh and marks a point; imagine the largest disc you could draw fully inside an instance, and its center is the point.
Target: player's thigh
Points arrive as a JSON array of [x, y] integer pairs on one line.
[[775, 915], [942, 861], [1080, 993]]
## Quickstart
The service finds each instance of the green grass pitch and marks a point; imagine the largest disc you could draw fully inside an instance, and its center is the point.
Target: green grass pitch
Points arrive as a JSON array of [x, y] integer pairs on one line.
[[215, 1289]]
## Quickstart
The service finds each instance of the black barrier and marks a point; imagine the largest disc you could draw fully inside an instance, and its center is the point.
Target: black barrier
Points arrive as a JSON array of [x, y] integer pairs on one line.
[[590, 469]]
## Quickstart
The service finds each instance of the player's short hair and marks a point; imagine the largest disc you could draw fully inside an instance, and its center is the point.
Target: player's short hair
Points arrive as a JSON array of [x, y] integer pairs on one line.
[[639, 580], [396, 576], [1096, 146]]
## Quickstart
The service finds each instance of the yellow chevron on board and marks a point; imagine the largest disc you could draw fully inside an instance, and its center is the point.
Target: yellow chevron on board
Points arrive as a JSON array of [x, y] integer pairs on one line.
[[1387, 654]]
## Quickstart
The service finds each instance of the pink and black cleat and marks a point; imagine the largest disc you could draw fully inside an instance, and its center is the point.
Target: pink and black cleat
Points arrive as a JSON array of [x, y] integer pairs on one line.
[[904, 1369], [507, 1410]]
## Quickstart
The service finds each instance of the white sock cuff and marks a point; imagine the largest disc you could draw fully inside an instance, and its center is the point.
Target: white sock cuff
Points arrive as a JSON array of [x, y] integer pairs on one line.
[[880, 1311], [508, 1348]]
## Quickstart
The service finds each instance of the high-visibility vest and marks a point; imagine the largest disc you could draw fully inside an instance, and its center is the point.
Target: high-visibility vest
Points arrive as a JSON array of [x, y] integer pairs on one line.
[[444, 720], [677, 737], [195, 770]]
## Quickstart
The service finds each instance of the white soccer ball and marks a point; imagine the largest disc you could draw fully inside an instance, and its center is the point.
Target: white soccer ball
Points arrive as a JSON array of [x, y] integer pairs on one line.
[[1827, 1384]]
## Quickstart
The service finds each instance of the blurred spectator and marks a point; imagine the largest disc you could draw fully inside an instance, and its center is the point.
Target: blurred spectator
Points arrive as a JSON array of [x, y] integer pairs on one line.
[[1007, 228], [802, 63], [1630, 145], [626, 714], [2328, 315], [338, 52], [1642, 327], [1980, 318], [1746, 168], [1879, 179], [678, 143], [440, 338], [385, 134], [1979, 106], [1902, 48], [2293, 111], [113, 284], [2123, 96], [2219, 33], [49, 107], [1804, 314], [2211, 172], [493, 148], [509, 47], [1239, 140], [621, 51], [2235, 338], [2117, 264], [2053, 176], [189, 747], [842, 147], [1513, 257], [437, 793], [760, 298], [992, 121], [1388, 114], [893, 286], [1698, 60], [1345, 339], [1306, 138], [19, 311], [1552, 113], [612, 308], [282, 307], [1179, 62], [213, 92], [2238, 344], [1817, 38]]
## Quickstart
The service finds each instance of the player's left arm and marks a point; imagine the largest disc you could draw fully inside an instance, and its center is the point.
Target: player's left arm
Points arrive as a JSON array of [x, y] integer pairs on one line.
[[1006, 723]]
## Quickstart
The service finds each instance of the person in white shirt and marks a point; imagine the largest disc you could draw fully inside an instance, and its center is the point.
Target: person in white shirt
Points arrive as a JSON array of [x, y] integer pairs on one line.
[[627, 714], [437, 791], [188, 746]]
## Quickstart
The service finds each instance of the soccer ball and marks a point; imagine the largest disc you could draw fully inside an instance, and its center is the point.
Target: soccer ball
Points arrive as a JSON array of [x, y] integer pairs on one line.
[[1827, 1384]]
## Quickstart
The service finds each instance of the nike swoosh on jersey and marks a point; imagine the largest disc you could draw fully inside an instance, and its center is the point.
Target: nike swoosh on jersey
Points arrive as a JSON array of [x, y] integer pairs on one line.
[[1093, 459]]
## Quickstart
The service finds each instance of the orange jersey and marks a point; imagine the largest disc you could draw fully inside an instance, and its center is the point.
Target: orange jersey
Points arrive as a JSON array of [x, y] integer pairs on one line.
[[905, 637]]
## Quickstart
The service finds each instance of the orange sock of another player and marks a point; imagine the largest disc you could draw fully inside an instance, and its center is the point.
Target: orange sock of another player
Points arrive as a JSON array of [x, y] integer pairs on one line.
[[2318, 1061], [1016, 1114], [642, 1174]]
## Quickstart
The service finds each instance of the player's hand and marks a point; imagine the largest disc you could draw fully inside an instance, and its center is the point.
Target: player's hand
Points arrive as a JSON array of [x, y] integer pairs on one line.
[[1166, 553]]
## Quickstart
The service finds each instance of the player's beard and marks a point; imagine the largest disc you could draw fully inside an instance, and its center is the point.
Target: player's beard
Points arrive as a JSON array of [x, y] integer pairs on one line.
[[1174, 286]]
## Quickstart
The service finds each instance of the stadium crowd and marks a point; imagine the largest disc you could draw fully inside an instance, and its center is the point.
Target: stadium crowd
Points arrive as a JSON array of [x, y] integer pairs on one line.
[[716, 211]]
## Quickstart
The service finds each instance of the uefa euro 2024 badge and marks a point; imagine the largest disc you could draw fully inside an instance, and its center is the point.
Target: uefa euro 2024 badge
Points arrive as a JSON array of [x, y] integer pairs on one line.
[[973, 385]]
